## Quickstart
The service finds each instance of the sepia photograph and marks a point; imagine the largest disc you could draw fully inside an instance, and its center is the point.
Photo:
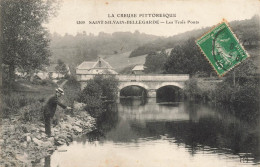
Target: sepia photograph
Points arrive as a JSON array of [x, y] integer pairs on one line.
[[130, 83]]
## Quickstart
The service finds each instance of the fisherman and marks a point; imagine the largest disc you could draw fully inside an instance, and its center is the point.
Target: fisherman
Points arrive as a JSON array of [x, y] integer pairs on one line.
[[50, 108]]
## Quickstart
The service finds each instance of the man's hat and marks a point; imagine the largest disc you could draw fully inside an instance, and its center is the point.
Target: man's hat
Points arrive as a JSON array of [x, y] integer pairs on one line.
[[59, 90]]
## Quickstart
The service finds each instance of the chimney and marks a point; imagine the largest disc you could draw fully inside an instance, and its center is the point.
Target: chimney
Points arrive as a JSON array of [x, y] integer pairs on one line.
[[99, 62]]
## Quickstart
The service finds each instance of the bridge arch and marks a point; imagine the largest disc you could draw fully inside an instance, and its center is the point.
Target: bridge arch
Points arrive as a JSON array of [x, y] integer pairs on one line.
[[169, 93], [175, 84], [133, 89], [139, 84]]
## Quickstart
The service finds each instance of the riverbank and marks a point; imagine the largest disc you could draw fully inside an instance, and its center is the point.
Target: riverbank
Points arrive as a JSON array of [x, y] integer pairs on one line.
[[23, 143], [238, 94]]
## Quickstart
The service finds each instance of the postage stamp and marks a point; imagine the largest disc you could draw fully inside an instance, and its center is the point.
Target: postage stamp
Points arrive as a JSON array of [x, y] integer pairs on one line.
[[222, 49]]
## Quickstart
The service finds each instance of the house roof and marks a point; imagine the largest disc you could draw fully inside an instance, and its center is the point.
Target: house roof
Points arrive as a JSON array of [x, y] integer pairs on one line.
[[100, 63], [108, 71], [139, 68], [86, 65]]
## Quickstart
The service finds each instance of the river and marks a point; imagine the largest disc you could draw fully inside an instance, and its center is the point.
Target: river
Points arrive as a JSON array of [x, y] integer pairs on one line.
[[138, 133]]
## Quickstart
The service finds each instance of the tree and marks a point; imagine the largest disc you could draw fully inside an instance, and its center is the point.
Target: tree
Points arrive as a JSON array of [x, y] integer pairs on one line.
[[192, 90], [91, 95], [61, 68], [175, 63], [154, 62], [187, 59], [98, 89], [246, 69], [25, 42], [108, 85]]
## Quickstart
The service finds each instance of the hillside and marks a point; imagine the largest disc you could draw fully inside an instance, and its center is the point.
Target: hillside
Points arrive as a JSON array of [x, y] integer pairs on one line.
[[248, 32], [123, 63], [82, 47]]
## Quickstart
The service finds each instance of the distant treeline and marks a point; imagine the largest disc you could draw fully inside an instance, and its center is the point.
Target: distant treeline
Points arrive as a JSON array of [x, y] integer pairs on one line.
[[248, 32], [75, 49]]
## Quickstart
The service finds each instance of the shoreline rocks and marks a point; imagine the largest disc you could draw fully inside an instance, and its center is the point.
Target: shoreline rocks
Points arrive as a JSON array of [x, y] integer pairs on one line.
[[23, 143]]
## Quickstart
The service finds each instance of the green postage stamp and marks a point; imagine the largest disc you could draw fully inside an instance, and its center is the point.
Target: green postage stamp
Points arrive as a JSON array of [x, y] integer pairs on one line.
[[222, 48]]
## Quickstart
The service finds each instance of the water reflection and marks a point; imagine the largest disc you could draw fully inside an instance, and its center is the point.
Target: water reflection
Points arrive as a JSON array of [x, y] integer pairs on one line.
[[134, 133], [169, 93]]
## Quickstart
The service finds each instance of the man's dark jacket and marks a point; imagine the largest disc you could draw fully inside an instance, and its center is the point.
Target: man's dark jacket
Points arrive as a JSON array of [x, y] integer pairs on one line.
[[51, 105]]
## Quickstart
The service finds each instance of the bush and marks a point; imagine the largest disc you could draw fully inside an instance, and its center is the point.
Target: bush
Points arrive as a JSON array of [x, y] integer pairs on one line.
[[91, 90], [154, 62], [224, 92], [91, 96], [108, 85], [239, 94], [43, 82], [243, 98], [192, 91], [94, 106], [98, 89], [14, 101], [32, 113]]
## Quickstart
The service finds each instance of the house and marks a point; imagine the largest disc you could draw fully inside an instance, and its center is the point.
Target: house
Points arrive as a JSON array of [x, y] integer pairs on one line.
[[20, 73], [88, 69], [50, 72], [138, 69]]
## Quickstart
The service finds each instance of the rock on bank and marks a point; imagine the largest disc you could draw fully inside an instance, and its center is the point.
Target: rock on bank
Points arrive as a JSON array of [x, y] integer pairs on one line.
[[22, 143]]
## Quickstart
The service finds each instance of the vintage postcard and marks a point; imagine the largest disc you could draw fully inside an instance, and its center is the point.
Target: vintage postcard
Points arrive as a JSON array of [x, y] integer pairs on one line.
[[130, 83]]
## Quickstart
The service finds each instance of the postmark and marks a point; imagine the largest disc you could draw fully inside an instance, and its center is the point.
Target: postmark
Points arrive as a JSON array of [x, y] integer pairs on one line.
[[222, 49]]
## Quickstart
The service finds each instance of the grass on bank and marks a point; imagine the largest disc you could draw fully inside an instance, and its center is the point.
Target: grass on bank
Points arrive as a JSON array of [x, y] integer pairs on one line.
[[26, 99]]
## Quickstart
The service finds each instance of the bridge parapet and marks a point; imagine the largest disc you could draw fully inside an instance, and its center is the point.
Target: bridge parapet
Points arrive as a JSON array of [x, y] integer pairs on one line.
[[158, 77], [150, 82], [150, 77]]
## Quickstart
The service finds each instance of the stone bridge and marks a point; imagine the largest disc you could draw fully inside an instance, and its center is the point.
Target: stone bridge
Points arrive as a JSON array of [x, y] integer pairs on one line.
[[150, 82]]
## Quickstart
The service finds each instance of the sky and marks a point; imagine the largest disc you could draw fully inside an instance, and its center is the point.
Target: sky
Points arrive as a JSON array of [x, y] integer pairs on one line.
[[201, 12]]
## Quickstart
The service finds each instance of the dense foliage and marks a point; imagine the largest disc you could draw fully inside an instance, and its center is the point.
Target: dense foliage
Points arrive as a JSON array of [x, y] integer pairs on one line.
[[25, 42], [61, 68], [192, 90], [147, 48], [98, 90], [25, 101], [239, 91], [154, 62], [187, 59], [243, 99], [183, 59]]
